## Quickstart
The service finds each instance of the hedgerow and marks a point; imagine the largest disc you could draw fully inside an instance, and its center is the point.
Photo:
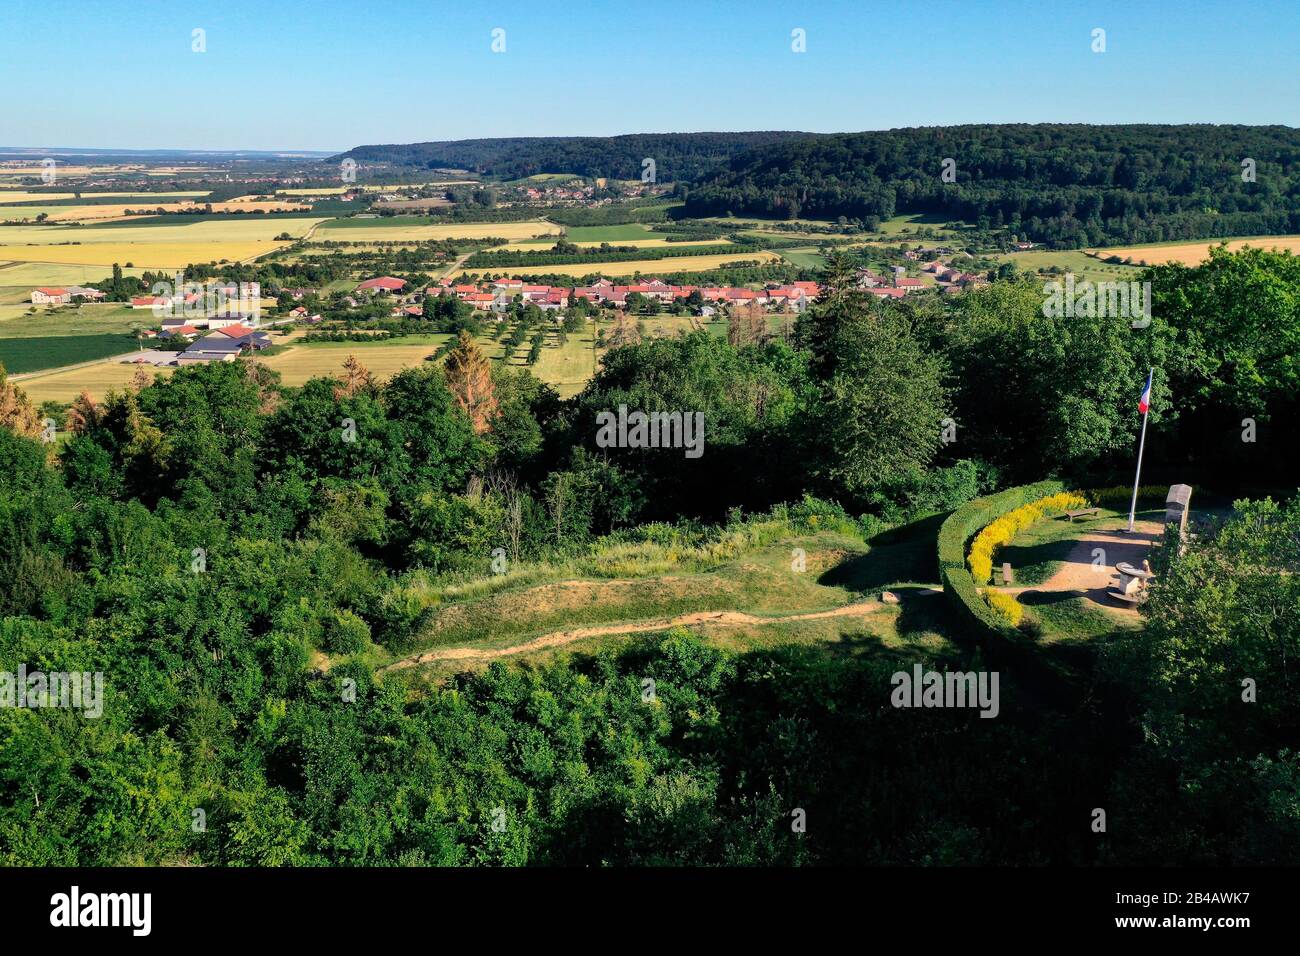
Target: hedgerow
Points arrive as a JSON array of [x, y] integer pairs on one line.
[[960, 527]]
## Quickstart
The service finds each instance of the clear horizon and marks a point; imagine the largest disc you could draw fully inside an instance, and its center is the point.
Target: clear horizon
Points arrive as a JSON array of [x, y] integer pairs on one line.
[[341, 75], [330, 151]]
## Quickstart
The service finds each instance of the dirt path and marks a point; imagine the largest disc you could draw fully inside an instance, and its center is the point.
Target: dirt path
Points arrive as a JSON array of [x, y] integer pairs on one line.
[[1080, 573], [559, 638]]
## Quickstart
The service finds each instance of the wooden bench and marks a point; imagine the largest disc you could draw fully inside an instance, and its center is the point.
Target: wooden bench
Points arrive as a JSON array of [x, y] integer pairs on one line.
[[1082, 513]]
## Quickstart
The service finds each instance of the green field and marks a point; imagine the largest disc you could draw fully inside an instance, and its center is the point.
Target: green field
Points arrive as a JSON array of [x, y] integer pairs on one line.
[[54, 337], [379, 222], [34, 354], [45, 322], [804, 258], [898, 224], [610, 233], [548, 178], [1070, 260], [24, 276]]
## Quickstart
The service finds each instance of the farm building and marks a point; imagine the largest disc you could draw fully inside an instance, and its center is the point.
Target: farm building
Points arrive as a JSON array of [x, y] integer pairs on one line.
[[46, 295]]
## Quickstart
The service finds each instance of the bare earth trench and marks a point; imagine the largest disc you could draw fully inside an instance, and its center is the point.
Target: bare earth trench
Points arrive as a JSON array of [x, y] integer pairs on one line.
[[559, 638]]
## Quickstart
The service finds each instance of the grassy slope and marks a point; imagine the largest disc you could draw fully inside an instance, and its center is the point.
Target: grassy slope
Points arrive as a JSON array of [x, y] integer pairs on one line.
[[631, 584]]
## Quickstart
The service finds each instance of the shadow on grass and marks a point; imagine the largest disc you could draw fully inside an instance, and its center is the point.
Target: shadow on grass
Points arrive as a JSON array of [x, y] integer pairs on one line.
[[864, 645], [905, 553], [1033, 564]]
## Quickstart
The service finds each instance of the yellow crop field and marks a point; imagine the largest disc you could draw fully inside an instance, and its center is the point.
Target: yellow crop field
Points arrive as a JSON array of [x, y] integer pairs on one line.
[[10, 194], [235, 228], [97, 379], [258, 205], [643, 266], [1193, 253], [158, 195], [59, 213], [107, 212], [34, 168], [324, 191], [145, 255], [14, 196], [166, 247], [398, 233], [302, 362]]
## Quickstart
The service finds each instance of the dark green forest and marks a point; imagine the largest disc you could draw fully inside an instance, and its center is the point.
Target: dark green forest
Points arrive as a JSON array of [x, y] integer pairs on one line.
[[201, 539], [677, 155], [1064, 185]]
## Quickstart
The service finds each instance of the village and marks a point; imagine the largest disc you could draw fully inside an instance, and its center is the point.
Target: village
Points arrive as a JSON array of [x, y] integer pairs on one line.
[[220, 321]]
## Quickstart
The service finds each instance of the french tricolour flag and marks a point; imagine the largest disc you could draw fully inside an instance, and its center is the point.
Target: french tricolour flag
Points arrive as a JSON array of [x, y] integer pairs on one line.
[[1145, 401]]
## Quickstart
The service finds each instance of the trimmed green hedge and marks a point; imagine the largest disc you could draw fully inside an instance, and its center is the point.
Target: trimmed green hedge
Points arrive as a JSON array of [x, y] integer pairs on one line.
[[962, 525]]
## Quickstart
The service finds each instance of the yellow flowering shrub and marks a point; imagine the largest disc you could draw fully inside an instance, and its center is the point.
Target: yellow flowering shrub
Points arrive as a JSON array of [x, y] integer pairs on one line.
[[1006, 605], [1001, 531]]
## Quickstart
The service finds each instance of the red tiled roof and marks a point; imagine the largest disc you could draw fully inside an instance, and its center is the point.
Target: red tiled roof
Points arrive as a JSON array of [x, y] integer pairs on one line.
[[49, 291], [383, 282]]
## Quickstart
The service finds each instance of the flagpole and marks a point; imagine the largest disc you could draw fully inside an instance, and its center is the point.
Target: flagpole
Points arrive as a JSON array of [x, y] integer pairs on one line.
[[1137, 479]]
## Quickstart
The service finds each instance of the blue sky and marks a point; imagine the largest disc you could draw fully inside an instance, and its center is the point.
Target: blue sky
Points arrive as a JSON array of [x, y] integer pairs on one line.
[[330, 74]]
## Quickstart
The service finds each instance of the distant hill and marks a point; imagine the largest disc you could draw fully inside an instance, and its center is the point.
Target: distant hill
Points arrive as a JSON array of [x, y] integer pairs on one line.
[[677, 156], [138, 155], [1067, 185]]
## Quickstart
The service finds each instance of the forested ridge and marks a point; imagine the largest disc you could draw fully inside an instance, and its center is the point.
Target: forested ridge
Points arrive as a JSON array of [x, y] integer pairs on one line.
[[1063, 184], [676, 155]]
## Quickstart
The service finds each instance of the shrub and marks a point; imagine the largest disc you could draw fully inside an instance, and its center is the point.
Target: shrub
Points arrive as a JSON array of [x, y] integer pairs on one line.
[[345, 633], [1006, 605], [958, 585], [817, 514]]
